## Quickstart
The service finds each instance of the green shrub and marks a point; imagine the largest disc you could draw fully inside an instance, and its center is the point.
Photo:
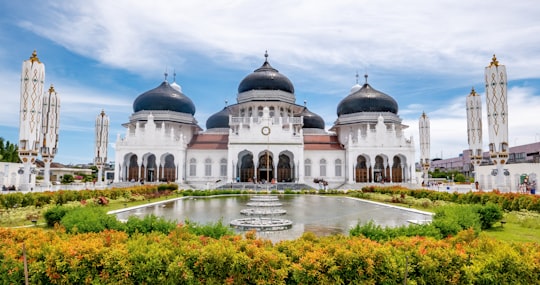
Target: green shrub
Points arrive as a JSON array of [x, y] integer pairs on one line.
[[214, 230], [90, 219], [55, 214], [453, 218], [489, 215], [378, 233], [67, 178], [149, 223]]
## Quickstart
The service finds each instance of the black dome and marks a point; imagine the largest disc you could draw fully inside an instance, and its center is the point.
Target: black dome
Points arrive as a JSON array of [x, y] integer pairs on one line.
[[266, 78], [164, 98], [218, 120], [367, 99], [312, 120]]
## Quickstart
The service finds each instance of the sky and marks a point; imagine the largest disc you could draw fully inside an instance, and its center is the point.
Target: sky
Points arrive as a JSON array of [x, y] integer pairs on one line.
[[427, 55]]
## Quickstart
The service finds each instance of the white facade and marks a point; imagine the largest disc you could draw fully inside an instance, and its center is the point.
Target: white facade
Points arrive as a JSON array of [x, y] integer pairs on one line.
[[265, 136]]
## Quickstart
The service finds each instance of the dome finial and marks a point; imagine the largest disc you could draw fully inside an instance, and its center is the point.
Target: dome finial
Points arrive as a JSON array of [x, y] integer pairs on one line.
[[226, 102], [473, 93], [166, 74], [305, 103], [357, 77], [494, 61], [266, 56], [366, 76], [34, 57], [174, 75]]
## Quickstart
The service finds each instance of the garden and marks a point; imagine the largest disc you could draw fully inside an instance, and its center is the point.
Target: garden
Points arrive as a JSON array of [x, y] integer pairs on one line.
[[67, 238]]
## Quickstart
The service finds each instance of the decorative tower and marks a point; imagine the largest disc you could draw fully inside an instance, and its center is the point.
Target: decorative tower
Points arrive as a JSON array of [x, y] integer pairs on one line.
[[49, 131], [32, 81], [474, 129], [424, 145], [497, 115], [102, 141]]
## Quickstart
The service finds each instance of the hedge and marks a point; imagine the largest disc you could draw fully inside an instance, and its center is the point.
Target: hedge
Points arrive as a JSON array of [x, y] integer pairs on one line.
[[111, 257]]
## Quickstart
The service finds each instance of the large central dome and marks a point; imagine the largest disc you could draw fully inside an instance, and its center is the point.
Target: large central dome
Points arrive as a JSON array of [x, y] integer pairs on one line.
[[164, 98], [367, 99], [266, 78]]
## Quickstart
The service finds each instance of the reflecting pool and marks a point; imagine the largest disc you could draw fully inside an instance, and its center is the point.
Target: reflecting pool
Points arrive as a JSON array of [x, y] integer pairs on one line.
[[322, 215]]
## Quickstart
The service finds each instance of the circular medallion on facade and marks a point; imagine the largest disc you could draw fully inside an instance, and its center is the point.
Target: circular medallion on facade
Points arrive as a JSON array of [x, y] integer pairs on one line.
[[265, 131]]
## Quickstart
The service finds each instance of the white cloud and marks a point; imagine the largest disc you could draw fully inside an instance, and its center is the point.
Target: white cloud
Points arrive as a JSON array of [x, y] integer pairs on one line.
[[444, 37], [414, 49]]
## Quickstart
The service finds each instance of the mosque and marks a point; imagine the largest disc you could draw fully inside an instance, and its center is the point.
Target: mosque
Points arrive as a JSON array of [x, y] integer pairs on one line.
[[264, 137]]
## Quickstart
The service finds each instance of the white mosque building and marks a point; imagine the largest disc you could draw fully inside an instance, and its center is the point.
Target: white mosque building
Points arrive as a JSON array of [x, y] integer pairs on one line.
[[265, 137]]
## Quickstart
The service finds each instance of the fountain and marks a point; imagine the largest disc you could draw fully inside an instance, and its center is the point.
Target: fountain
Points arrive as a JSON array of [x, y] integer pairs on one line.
[[262, 206]]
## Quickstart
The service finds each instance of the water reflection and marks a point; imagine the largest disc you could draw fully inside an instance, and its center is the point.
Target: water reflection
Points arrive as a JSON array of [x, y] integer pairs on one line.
[[322, 215]]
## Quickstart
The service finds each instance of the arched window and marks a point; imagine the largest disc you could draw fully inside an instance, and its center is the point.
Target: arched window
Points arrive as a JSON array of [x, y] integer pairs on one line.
[[272, 111], [307, 167], [260, 111], [250, 112], [322, 167], [223, 167], [242, 112], [338, 167], [192, 167], [208, 167]]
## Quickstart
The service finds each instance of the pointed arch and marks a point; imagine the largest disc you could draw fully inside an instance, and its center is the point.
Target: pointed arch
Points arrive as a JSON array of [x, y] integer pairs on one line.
[[246, 166], [285, 167], [362, 169]]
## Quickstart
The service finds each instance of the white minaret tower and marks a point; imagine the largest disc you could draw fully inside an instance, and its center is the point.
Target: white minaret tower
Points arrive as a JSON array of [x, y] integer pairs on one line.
[[102, 141], [424, 145], [474, 129], [497, 115], [49, 131], [32, 81]]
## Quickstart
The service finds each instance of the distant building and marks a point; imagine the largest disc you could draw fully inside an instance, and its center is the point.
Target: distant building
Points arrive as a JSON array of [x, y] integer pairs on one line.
[[522, 159]]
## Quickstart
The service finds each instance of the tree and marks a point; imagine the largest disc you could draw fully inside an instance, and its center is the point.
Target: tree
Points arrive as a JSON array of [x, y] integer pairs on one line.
[[9, 152]]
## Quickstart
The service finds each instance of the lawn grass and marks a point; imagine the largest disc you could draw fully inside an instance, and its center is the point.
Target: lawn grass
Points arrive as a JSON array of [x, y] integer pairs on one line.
[[513, 232]]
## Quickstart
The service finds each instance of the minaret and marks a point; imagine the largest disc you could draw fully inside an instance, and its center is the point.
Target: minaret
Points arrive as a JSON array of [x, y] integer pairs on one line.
[[32, 81], [424, 145], [49, 131], [102, 141], [497, 115], [474, 129]]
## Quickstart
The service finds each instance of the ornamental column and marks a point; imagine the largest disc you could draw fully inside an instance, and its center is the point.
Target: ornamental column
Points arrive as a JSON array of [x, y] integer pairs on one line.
[[497, 115], [32, 81], [102, 142], [49, 131], [474, 130], [425, 161]]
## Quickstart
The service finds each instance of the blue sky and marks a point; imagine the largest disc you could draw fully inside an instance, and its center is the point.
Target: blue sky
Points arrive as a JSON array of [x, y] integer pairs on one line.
[[425, 54]]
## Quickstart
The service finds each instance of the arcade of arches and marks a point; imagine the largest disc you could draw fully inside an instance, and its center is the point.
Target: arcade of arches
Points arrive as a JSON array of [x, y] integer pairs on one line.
[[149, 170], [380, 172], [265, 167]]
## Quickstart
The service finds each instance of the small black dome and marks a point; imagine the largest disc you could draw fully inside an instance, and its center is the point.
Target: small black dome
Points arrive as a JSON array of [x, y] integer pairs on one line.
[[218, 120], [312, 120], [164, 98], [367, 99], [266, 78]]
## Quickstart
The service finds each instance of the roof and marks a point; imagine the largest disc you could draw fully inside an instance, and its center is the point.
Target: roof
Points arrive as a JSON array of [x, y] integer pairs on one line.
[[209, 141], [322, 142]]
